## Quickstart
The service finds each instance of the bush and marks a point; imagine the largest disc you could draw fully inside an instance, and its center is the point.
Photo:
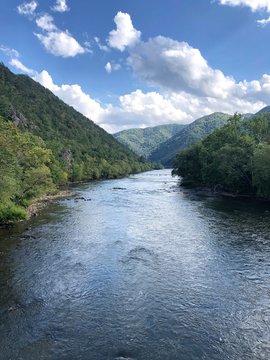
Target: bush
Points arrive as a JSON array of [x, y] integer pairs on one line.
[[11, 212]]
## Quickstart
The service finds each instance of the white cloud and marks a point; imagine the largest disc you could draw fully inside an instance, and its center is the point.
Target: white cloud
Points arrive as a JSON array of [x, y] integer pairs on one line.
[[72, 95], [45, 22], [139, 109], [254, 5], [136, 109], [177, 66], [61, 43], [27, 8], [20, 66], [57, 42], [150, 105], [14, 61], [60, 6], [9, 52], [188, 87], [125, 34], [110, 67], [263, 22], [101, 46]]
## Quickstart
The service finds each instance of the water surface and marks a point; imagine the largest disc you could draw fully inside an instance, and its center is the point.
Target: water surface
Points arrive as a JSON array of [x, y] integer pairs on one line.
[[140, 269]]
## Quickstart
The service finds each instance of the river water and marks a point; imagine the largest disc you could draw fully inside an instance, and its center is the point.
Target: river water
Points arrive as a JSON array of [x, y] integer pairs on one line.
[[142, 270]]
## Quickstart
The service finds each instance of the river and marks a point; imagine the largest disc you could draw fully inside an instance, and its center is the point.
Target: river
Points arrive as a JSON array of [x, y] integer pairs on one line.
[[140, 269]]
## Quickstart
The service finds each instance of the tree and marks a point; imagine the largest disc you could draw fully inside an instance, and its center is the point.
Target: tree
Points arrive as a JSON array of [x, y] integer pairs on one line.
[[261, 170]]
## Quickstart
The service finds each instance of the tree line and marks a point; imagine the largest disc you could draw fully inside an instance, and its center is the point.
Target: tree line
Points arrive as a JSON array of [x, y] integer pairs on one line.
[[234, 158], [29, 169], [45, 143]]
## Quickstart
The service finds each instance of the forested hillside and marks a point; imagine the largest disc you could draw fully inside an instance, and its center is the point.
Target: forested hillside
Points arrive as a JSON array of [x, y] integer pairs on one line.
[[193, 132], [68, 145], [27, 170], [235, 158], [85, 150], [144, 141]]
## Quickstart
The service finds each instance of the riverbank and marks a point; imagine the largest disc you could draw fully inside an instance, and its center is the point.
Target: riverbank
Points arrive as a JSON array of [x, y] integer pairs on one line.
[[14, 213], [43, 201], [148, 273], [217, 192], [38, 205]]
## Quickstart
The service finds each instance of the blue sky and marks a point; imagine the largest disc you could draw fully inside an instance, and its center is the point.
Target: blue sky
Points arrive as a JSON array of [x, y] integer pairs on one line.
[[141, 63]]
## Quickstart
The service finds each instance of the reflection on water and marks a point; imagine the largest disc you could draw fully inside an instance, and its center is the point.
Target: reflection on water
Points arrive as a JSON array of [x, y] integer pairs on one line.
[[145, 270]]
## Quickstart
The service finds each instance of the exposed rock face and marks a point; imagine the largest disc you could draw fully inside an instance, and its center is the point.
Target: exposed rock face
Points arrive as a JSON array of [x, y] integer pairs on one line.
[[21, 121], [67, 157]]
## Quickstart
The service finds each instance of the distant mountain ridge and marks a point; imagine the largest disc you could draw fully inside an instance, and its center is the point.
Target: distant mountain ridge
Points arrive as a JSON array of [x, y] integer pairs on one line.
[[266, 109], [193, 132], [164, 151], [144, 141]]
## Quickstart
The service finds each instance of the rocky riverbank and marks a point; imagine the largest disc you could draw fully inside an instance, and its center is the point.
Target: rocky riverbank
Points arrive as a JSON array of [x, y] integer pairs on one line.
[[43, 201]]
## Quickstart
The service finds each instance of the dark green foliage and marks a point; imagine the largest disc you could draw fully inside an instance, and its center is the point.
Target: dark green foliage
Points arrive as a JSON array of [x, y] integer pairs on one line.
[[144, 141], [195, 131], [64, 130], [235, 158], [24, 170], [261, 169], [45, 142]]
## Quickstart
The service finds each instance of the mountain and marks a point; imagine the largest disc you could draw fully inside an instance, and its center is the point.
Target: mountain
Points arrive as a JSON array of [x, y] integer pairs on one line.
[[45, 143], [83, 149], [247, 116], [195, 131], [144, 141], [266, 109]]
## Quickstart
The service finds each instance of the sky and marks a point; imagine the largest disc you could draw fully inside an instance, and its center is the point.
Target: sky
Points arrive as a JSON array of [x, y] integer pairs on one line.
[[127, 64]]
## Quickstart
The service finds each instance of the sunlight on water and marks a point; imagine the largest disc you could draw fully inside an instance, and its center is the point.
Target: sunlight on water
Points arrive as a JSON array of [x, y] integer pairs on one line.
[[143, 270]]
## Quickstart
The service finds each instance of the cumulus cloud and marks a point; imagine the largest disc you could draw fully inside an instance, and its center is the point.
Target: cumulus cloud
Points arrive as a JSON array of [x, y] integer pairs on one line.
[[188, 87], [142, 109], [9, 52], [151, 105], [45, 22], [61, 6], [139, 109], [110, 67], [20, 66], [125, 34], [27, 8], [177, 66], [57, 42], [136, 109], [60, 43], [72, 95], [14, 61], [254, 5]]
